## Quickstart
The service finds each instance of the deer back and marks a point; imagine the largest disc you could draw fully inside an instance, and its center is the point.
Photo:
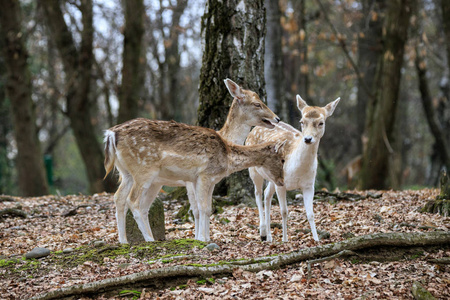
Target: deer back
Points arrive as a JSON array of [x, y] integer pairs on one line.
[[177, 150]]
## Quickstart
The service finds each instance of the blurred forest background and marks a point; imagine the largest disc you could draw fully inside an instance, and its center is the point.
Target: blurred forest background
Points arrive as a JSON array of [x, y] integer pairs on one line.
[[71, 69]]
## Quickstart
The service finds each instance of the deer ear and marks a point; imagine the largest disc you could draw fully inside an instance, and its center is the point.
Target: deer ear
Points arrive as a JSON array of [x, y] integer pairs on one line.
[[301, 104], [234, 89], [330, 107]]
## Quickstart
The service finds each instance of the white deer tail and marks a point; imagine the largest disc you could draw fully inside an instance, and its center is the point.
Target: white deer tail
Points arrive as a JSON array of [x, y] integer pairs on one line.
[[110, 150]]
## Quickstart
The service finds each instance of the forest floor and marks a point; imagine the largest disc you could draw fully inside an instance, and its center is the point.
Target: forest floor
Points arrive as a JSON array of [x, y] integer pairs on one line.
[[383, 274]]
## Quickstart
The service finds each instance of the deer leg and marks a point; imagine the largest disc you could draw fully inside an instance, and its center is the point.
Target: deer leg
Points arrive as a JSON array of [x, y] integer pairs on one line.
[[308, 195], [281, 193], [258, 182], [137, 194], [120, 199], [146, 202], [203, 193], [268, 194], [194, 206]]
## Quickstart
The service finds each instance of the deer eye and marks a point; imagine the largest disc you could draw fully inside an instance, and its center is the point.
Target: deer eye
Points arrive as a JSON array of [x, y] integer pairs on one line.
[[321, 124], [256, 104], [283, 161]]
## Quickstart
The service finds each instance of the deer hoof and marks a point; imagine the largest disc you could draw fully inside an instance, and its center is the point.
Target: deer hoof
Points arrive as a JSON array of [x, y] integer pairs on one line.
[[263, 238]]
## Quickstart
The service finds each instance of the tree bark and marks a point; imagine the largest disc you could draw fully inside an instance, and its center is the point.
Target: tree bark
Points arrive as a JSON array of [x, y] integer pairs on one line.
[[381, 112], [154, 277], [132, 47], [233, 47], [369, 51], [77, 65], [441, 146], [169, 78], [445, 6], [5, 128], [30, 166], [273, 56]]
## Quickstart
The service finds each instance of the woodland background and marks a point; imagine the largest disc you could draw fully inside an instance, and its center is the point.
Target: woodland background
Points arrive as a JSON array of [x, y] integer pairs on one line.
[[71, 69]]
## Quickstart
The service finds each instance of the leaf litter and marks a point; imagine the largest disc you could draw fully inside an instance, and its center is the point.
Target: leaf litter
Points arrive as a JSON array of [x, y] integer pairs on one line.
[[60, 223]]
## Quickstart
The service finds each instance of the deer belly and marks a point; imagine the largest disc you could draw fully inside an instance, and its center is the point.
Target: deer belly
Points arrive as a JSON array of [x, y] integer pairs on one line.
[[176, 173]]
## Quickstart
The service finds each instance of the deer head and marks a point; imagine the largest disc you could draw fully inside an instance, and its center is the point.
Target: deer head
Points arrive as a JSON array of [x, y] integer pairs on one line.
[[313, 119], [255, 112]]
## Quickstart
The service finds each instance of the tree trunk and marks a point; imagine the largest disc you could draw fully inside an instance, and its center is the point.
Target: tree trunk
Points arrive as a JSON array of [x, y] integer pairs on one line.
[[381, 113], [30, 166], [441, 145], [132, 47], [445, 6], [233, 47], [169, 78], [5, 128], [444, 185], [369, 51], [77, 64], [273, 57], [303, 70]]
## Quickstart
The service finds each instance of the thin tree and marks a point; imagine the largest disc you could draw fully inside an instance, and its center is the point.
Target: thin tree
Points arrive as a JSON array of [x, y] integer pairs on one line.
[[30, 167], [77, 63], [132, 68], [273, 56], [369, 51], [382, 109]]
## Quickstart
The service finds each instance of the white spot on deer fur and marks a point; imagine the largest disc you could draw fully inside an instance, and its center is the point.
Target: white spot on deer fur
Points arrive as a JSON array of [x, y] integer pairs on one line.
[[142, 149], [134, 140]]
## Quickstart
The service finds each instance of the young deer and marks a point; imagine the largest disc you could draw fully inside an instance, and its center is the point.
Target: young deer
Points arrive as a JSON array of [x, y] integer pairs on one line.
[[300, 154], [147, 151], [247, 110]]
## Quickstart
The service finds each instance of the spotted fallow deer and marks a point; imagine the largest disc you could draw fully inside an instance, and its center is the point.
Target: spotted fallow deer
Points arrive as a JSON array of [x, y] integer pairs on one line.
[[247, 110], [300, 155], [145, 150]]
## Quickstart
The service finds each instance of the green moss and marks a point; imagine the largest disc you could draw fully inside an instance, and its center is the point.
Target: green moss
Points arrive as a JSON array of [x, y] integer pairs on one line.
[[135, 294], [355, 261], [417, 255], [166, 261], [6, 263], [151, 251], [202, 281]]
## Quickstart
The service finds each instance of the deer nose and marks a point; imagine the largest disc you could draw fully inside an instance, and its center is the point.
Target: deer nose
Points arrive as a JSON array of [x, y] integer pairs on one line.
[[277, 119], [308, 139]]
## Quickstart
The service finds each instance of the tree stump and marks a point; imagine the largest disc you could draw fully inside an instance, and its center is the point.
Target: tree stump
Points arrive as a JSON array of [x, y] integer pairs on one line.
[[156, 220], [441, 205], [444, 185]]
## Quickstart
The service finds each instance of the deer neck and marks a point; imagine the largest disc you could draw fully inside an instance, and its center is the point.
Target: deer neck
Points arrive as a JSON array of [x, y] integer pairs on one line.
[[305, 155], [244, 157], [235, 129]]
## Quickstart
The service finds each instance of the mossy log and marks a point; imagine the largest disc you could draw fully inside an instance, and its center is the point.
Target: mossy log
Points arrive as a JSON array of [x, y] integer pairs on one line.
[[156, 220], [14, 212], [161, 278], [420, 293]]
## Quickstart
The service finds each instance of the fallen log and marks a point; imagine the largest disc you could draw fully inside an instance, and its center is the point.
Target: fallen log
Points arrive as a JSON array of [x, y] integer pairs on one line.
[[156, 278], [14, 212]]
